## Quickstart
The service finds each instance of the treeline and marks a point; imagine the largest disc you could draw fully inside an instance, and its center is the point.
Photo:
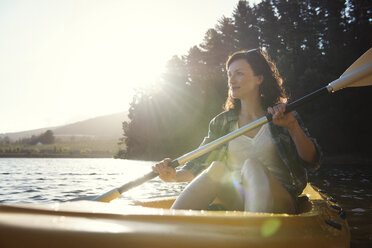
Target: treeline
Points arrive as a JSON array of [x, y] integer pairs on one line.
[[312, 42], [44, 138], [48, 146], [73, 149]]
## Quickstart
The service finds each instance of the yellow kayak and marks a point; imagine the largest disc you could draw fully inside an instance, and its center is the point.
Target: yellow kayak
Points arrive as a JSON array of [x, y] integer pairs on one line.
[[320, 223]]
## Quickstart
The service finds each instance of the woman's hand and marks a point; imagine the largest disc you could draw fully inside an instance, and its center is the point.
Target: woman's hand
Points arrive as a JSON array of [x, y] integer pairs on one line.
[[166, 173], [279, 118], [305, 147]]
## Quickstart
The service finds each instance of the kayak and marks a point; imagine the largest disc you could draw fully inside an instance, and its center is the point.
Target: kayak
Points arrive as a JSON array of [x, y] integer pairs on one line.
[[321, 222]]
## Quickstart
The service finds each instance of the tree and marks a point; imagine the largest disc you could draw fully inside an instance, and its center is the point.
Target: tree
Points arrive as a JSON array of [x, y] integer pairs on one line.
[[5, 140], [47, 137], [44, 138], [246, 26]]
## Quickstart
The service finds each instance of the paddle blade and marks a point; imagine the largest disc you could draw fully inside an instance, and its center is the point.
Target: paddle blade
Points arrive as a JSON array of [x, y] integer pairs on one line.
[[106, 197], [357, 75], [109, 196], [363, 60]]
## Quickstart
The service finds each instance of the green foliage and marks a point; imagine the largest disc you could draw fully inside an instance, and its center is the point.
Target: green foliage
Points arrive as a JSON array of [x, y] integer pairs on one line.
[[65, 149], [36, 150], [86, 151], [312, 42], [92, 148]]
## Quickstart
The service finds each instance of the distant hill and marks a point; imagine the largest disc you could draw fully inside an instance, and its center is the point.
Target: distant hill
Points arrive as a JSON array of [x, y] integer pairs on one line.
[[98, 128]]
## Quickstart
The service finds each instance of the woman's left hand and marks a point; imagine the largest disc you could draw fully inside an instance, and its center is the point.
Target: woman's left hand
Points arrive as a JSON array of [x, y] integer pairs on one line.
[[281, 119]]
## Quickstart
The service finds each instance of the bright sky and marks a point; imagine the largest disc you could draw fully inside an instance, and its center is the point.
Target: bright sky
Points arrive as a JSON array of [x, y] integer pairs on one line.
[[70, 60]]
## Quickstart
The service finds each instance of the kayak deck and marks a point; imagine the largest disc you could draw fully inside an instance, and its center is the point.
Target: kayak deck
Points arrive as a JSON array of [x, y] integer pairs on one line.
[[151, 224]]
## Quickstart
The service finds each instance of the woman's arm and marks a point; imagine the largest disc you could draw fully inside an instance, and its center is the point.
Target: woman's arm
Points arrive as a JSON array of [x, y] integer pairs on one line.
[[184, 176], [305, 147]]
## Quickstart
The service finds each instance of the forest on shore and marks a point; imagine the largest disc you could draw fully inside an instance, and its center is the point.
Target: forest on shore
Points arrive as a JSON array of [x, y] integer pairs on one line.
[[46, 145], [312, 42]]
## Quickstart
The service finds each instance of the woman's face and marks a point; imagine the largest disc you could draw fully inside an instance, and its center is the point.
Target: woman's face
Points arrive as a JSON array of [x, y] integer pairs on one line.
[[242, 81]]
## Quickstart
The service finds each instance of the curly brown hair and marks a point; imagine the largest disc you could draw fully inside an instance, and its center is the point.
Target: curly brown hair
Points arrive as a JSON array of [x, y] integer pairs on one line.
[[270, 90]]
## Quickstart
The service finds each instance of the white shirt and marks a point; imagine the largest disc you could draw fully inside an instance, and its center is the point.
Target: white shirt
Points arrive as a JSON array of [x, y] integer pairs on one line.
[[260, 147]]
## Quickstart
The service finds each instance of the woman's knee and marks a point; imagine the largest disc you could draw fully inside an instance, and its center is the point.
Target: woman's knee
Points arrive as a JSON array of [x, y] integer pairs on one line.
[[253, 168], [217, 170]]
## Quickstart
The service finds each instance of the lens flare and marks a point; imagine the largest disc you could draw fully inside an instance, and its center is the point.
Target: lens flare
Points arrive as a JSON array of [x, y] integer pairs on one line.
[[270, 227]]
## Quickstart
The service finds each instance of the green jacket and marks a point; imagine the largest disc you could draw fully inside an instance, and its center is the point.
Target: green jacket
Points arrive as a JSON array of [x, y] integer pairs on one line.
[[223, 123]]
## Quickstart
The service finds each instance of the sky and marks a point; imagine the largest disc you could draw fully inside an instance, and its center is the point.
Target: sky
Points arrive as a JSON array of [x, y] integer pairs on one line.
[[71, 60]]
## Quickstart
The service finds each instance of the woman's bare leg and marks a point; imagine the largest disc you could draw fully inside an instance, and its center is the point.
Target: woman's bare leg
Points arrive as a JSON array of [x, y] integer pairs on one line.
[[231, 194], [203, 189], [263, 192]]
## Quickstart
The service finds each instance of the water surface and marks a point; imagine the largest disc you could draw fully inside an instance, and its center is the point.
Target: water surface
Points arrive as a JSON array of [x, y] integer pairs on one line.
[[53, 180]]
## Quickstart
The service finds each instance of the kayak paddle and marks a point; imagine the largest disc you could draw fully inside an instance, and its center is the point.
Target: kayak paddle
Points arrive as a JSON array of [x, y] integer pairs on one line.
[[357, 75]]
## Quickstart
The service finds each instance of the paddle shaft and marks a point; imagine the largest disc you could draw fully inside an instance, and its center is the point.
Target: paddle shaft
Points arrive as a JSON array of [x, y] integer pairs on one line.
[[343, 81], [113, 194]]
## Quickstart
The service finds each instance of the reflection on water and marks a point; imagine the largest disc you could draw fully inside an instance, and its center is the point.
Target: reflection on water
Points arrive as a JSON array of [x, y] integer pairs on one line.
[[351, 185], [50, 180]]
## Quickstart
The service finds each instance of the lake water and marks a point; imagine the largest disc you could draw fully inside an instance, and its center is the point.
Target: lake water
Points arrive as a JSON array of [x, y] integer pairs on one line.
[[52, 180]]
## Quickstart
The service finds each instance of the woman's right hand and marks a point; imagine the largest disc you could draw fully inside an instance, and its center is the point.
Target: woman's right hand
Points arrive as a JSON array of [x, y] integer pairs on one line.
[[166, 173]]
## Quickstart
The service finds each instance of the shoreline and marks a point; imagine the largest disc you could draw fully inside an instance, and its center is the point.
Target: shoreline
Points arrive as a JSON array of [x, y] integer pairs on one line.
[[55, 156], [344, 159]]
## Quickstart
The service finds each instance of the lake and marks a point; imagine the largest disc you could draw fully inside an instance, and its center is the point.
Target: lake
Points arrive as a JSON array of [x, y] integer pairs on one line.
[[51, 180]]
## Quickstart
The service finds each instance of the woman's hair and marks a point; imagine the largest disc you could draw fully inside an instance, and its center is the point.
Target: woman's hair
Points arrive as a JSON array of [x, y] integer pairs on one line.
[[270, 90]]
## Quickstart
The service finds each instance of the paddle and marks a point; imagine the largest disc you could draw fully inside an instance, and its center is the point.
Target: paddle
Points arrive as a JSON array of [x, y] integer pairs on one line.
[[357, 75]]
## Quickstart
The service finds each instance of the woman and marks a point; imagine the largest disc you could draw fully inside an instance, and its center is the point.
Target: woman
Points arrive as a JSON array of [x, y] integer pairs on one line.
[[261, 171]]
